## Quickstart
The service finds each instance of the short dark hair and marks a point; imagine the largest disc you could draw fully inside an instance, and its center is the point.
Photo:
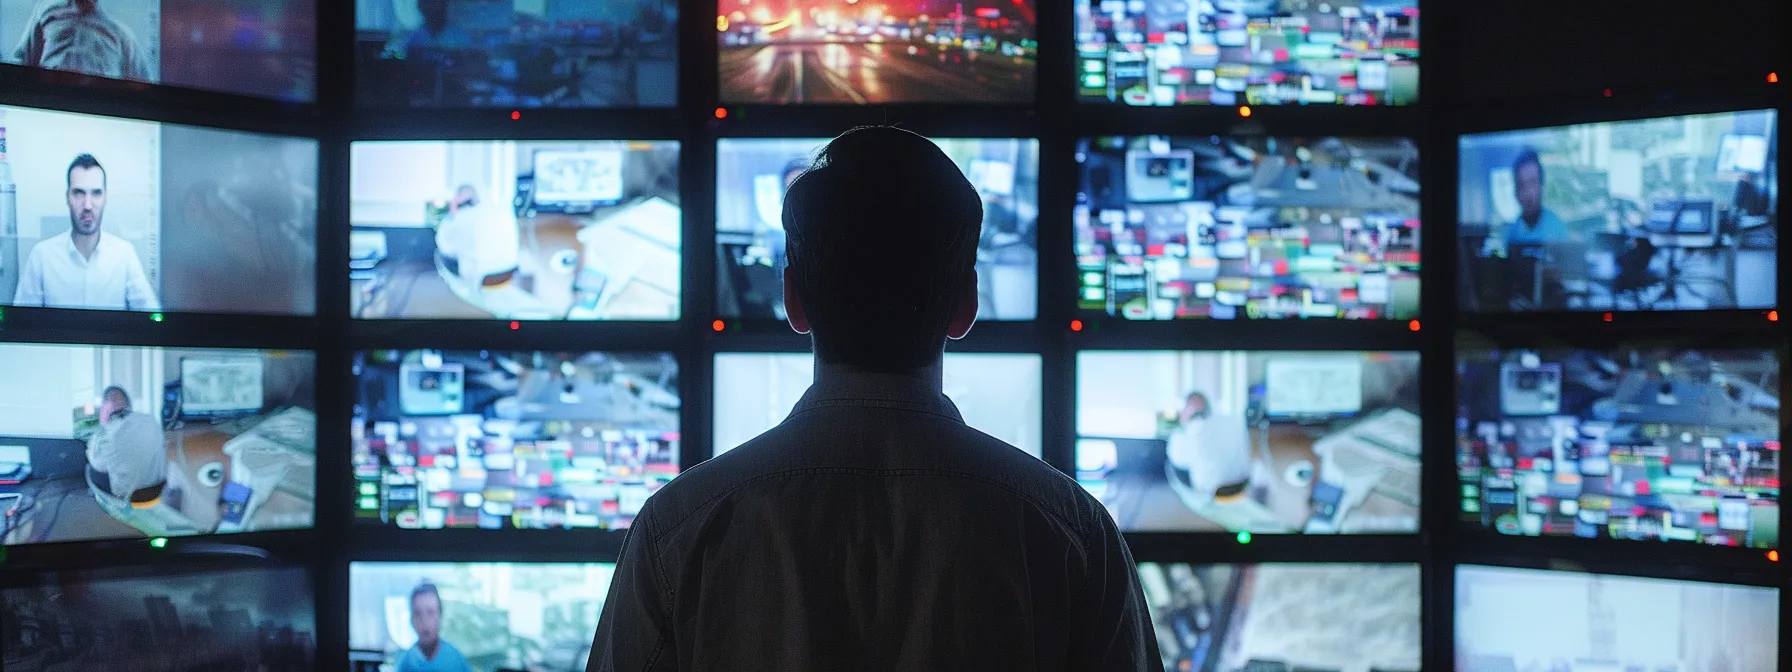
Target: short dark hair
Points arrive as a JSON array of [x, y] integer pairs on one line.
[[882, 239], [83, 161], [1530, 156], [426, 588], [114, 389]]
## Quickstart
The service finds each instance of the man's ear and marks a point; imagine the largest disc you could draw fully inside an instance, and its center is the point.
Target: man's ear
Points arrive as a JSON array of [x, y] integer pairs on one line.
[[964, 316], [793, 307]]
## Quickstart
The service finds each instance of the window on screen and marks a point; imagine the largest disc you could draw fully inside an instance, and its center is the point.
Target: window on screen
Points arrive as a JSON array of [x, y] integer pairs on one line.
[[265, 48], [163, 217], [1265, 442]]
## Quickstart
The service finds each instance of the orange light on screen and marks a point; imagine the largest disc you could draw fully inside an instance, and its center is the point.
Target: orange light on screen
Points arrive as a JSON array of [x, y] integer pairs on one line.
[[721, 113], [1773, 316], [1413, 325], [1773, 556], [1076, 325], [514, 325], [515, 115], [1244, 111], [717, 325]]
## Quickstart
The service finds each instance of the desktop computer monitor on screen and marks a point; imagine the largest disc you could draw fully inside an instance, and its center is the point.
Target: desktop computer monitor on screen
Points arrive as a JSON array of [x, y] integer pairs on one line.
[[1264, 442]]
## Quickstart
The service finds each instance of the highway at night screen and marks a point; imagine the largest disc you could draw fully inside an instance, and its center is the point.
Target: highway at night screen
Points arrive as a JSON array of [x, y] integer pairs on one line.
[[857, 52]]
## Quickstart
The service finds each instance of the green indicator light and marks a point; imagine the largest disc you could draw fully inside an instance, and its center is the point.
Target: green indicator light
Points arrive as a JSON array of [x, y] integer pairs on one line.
[[1244, 537], [159, 542], [155, 317]]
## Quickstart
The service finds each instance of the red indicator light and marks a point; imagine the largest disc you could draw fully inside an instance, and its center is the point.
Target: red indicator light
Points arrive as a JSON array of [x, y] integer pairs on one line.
[[721, 113], [1608, 93], [1076, 325], [1413, 325], [1244, 111], [515, 115], [514, 325], [1773, 556], [1773, 316], [717, 325], [1608, 317], [1773, 78]]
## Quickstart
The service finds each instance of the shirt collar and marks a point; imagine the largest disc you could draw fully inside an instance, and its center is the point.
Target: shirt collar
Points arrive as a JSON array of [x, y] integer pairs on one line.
[[877, 390]]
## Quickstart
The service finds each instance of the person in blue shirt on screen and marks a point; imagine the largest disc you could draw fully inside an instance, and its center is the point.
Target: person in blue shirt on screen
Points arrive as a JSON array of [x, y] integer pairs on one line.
[[431, 654], [78, 36], [1535, 225]]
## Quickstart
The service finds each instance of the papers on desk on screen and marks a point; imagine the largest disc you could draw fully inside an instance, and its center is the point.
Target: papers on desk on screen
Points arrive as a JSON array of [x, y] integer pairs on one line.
[[1379, 456], [653, 222], [280, 450]]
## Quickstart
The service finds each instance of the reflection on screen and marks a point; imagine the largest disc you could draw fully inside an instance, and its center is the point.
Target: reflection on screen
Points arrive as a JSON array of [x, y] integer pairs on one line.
[[1679, 445], [1255, 52], [114, 214], [478, 617], [1265, 442], [1530, 620], [515, 230], [998, 395], [922, 51], [1248, 228], [1219, 618], [507, 440], [265, 48], [260, 619], [110, 442], [517, 53], [752, 176], [1675, 213]]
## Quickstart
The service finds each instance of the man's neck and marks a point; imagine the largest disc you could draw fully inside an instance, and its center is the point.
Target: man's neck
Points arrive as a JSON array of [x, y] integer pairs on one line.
[[86, 243], [931, 375], [429, 649]]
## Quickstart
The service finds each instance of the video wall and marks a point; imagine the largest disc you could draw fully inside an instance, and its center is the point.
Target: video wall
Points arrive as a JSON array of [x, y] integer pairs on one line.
[[325, 346]]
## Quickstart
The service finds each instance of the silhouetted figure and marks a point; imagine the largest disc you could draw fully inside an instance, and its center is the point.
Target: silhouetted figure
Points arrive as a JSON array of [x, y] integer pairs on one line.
[[874, 530]]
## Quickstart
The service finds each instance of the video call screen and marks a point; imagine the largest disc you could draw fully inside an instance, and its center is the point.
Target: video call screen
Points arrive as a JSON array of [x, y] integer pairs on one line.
[[998, 394], [1250, 52], [260, 618], [1263, 442], [1248, 227], [476, 617], [752, 176], [263, 48], [516, 53], [506, 230], [792, 52], [512, 440], [110, 442], [1285, 616], [1659, 444], [1673, 213], [1524, 620], [116, 214]]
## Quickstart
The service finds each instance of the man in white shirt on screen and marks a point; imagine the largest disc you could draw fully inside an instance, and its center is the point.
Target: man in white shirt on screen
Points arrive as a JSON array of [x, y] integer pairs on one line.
[[86, 268], [1213, 450]]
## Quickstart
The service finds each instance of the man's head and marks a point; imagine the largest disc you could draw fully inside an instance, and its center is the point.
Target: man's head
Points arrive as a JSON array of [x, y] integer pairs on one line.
[[114, 402], [1527, 178], [1195, 407], [883, 232], [86, 195], [426, 614]]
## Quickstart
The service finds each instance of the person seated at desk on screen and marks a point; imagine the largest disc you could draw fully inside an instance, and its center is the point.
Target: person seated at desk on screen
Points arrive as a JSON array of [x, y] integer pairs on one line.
[[1213, 451], [86, 268], [479, 242], [431, 654], [435, 33], [77, 36], [128, 455]]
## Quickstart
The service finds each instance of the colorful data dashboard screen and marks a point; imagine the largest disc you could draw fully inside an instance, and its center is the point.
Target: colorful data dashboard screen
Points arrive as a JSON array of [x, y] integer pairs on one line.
[[262, 48], [515, 230], [1247, 227], [752, 176], [116, 442], [1285, 616], [1248, 52], [998, 394], [1517, 620], [143, 618], [794, 52], [1665, 214], [516, 53], [512, 440], [474, 617], [1659, 444], [103, 213], [1263, 442]]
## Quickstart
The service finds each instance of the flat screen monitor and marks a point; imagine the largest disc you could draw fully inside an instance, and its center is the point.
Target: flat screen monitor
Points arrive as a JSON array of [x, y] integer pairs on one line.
[[1665, 214], [1508, 620], [1247, 227], [515, 230], [516, 53], [1260, 441], [794, 52], [162, 618], [485, 617], [1248, 52], [998, 394], [753, 174], [117, 442], [1285, 616], [116, 214], [1652, 443], [262, 48], [512, 440]]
